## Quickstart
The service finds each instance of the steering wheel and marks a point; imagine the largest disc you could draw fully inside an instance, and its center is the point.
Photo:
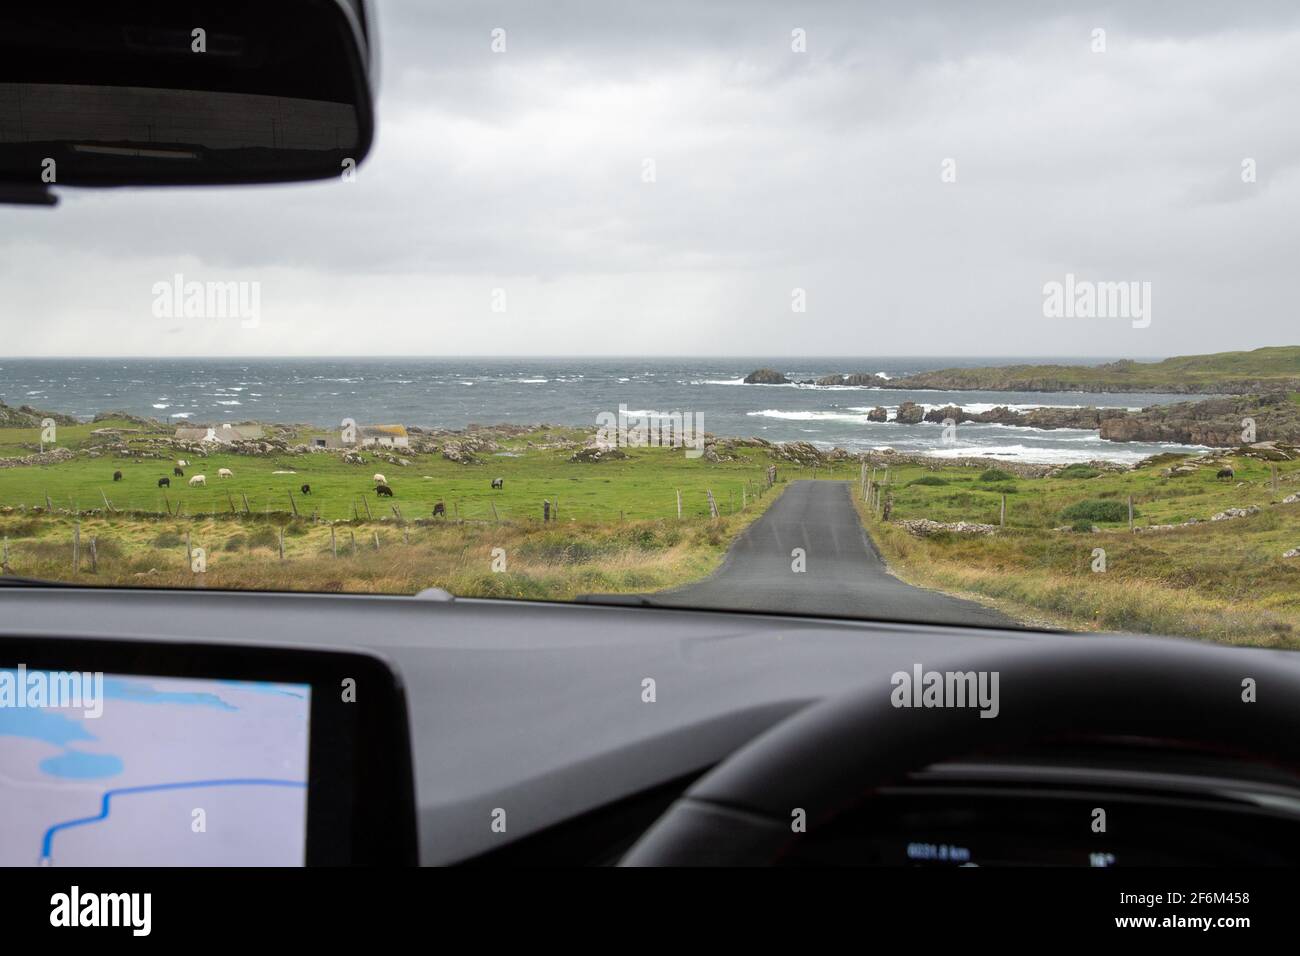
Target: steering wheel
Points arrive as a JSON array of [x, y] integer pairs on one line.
[[827, 757]]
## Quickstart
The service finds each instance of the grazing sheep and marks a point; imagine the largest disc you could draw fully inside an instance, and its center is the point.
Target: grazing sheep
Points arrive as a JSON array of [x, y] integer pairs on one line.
[[198, 480], [380, 480], [305, 489], [1226, 473], [182, 463], [178, 472], [164, 482], [499, 483], [117, 476], [383, 491], [225, 473], [439, 509]]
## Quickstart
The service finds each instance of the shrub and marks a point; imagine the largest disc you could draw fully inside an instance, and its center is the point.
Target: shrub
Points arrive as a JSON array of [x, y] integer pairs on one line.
[[27, 528], [167, 539], [264, 538], [929, 480], [1078, 471], [996, 474], [1094, 509], [555, 549]]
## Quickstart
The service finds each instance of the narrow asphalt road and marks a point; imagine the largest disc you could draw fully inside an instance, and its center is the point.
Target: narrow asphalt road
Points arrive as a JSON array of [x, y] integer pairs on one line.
[[844, 574]]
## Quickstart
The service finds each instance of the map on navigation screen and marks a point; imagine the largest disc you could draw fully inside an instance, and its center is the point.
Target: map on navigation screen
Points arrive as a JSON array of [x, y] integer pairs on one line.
[[113, 770]]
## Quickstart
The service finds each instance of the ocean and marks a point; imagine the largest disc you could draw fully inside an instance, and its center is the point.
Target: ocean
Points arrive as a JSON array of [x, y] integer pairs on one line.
[[455, 392]]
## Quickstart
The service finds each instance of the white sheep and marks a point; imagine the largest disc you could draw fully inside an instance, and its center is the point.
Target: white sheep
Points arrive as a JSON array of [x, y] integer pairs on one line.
[[182, 463], [380, 480], [198, 480], [225, 473]]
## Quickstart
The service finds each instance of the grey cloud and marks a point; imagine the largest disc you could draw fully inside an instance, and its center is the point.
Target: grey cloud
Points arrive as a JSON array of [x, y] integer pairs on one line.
[[774, 170]]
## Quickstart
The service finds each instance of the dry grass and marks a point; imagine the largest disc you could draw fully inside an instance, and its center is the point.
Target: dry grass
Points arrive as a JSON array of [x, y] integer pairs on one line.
[[1215, 582], [526, 560]]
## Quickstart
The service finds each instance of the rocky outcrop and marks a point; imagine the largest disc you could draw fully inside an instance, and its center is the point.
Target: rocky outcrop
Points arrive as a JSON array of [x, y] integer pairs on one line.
[[595, 453], [1216, 422], [878, 414], [798, 452], [459, 453], [127, 417], [853, 380], [24, 416], [909, 413], [766, 376], [924, 527], [1032, 418]]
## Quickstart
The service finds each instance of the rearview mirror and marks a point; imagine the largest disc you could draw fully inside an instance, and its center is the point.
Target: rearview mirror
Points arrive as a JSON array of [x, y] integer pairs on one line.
[[159, 92]]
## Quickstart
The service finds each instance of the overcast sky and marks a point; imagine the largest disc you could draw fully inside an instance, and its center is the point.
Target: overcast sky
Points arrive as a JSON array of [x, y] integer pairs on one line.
[[775, 170]]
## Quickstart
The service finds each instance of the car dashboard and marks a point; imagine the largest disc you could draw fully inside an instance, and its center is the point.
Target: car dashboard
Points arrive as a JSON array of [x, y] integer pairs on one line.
[[510, 733]]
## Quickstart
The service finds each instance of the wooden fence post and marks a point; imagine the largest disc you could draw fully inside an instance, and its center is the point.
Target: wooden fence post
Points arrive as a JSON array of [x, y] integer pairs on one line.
[[94, 556], [1002, 514], [293, 504], [1130, 513], [679, 504], [76, 548], [334, 546], [282, 544]]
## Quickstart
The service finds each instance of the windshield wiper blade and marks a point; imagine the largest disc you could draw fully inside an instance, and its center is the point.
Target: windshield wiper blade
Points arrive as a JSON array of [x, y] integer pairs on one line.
[[15, 581], [622, 600]]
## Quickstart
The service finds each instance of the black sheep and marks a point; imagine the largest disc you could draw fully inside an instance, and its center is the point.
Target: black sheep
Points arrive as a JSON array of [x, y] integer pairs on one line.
[[117, 476], [499, 483], [178, 472], [164, 482], [383, 491], [306, 489], [1226, 473], [439, 509]]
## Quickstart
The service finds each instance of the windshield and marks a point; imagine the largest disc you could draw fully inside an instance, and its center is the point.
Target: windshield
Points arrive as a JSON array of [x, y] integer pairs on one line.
[[817, 311]]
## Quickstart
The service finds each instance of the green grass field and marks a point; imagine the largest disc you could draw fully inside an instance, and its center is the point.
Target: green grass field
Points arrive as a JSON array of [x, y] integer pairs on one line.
[[616, 525], [643, 486], [1275, 366]]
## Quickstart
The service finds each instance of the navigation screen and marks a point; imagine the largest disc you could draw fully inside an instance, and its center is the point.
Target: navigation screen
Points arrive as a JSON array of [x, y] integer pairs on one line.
[[112, 770]]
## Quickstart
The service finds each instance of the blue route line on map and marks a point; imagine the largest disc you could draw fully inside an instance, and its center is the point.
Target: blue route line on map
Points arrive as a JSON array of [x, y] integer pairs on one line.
[[105, 807]]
